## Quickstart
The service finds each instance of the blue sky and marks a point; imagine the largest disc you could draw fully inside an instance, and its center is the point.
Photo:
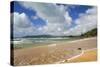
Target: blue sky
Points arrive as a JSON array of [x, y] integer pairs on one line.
[[62, 17], [20, 9]]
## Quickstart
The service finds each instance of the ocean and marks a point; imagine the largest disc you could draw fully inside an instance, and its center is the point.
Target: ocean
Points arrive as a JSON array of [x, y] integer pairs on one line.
[[30, 42]]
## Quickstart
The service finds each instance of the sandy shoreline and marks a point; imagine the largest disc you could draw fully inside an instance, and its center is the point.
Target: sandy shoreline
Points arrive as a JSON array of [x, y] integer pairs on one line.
[[77, 56], [52, 53]]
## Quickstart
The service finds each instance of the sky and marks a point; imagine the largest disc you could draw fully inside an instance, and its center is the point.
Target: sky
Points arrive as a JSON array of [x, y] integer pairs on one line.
[[35, 18]]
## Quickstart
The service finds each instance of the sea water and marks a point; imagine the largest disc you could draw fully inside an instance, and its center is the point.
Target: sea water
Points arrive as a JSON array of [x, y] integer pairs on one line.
[[30, 42]]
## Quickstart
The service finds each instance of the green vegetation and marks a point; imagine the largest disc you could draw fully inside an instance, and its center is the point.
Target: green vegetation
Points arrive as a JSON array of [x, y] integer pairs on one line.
[[90, 33], [24, 45], [87, 34]]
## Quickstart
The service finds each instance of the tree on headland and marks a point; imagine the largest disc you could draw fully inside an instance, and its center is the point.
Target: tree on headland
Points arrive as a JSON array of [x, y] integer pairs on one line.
[[90, 33]]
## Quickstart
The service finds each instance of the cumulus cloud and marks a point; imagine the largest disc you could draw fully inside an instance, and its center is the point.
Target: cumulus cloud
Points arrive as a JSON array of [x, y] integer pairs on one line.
[[56, 17], [21, 20], [57, 20], [22, 25], [85, 23], [34, 17]]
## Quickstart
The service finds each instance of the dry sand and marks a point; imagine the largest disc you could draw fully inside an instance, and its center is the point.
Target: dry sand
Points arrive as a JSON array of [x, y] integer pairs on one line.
[[88, 55], [51, 54]]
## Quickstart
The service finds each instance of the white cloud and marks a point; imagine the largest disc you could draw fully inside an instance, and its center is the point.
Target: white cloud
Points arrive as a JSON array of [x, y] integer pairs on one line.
[[21, 24], [85, 23], [57, 20], [21, 20], [56, 17], [46, 11], [35, 17]]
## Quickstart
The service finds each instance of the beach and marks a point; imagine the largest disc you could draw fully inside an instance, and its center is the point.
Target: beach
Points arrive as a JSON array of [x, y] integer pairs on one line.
[[55, 53]]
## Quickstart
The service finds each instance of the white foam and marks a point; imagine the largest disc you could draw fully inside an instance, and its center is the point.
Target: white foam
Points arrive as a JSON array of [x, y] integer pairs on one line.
[[51, 45]]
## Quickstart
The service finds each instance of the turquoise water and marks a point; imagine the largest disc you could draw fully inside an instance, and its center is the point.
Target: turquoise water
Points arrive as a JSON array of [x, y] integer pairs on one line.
[[29, 42]]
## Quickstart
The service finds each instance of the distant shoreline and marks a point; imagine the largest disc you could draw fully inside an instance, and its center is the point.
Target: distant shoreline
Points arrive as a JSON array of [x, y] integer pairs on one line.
[[25, 43]]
